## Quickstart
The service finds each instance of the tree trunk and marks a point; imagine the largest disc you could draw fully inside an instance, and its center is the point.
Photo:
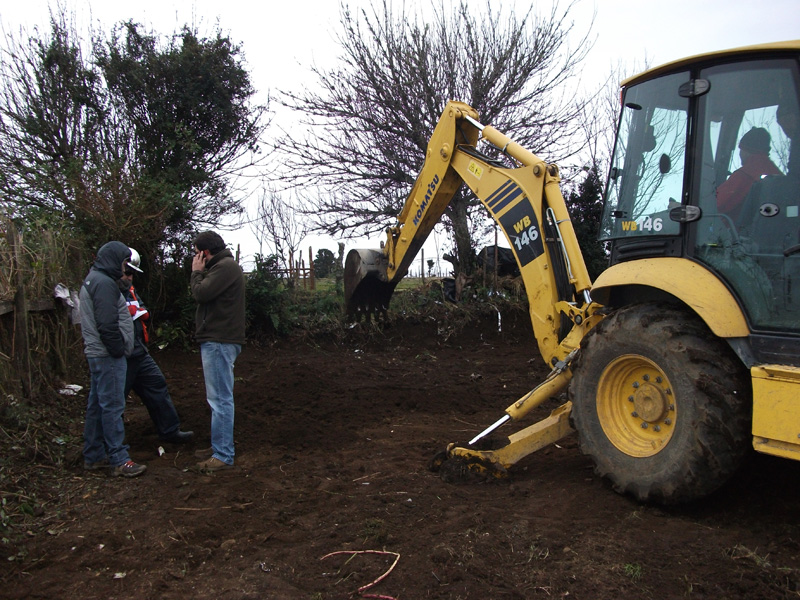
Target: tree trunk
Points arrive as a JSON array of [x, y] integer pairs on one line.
[[465, 256]]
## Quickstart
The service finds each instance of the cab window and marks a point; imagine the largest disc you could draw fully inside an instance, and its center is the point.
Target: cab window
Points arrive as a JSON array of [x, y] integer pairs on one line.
[[648, 165]]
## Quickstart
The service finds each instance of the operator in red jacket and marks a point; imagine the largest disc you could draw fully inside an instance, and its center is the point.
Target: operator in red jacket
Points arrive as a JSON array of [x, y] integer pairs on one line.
[[754, 152]]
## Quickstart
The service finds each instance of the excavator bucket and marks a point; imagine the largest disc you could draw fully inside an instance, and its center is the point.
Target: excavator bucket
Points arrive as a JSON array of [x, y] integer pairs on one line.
[[367, 290]]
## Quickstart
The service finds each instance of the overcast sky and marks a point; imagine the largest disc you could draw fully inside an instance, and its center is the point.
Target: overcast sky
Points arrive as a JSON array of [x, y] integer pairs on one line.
[[281, 39]]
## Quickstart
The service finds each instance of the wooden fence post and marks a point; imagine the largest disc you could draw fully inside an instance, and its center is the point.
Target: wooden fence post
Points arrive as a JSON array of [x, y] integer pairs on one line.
[[312, 285], [20, 347]]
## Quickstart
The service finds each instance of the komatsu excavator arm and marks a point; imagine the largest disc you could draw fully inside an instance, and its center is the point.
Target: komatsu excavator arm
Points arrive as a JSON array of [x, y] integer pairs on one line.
[[526, 201]]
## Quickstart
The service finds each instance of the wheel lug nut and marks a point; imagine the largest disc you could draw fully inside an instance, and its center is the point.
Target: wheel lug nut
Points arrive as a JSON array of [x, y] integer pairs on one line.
[[635, 384], [646, 377], [634, 414], [630, 399], [656, 428], [667, 421], [659, 379], [644, 425]]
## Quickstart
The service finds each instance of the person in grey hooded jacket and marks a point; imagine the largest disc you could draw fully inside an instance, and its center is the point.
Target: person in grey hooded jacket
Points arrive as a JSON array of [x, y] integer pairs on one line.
[[107, 329]]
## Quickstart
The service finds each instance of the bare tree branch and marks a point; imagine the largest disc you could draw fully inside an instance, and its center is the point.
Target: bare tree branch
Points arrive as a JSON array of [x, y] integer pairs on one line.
[[276, 224], [368, 120]]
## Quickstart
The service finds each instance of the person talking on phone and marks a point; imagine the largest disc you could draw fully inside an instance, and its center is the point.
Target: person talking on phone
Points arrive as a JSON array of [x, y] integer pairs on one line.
[[218, 287]]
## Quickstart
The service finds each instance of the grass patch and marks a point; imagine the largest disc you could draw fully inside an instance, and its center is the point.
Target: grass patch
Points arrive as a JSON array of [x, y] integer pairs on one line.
[[633, 571], [375, 529], [740, 552]]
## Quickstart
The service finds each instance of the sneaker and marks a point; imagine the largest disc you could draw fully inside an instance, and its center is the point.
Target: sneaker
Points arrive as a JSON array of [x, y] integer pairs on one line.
[[212, 465], [128, 469], [95, 466], [204, 453]]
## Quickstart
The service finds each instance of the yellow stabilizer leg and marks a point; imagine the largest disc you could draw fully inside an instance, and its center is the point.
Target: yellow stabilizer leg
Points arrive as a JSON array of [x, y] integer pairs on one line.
[[521, 444]]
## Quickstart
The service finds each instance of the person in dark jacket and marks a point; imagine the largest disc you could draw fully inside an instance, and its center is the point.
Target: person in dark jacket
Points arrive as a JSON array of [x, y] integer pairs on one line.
[[107, 330], [144, 376], [217, 284]]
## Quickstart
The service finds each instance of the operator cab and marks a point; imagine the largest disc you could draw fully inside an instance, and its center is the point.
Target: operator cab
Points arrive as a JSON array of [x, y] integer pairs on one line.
[[707, 167]]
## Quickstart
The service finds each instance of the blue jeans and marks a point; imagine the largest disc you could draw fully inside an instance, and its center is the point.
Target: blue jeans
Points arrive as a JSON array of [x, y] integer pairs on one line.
[[146, 379], [218, 361], [104, 430]]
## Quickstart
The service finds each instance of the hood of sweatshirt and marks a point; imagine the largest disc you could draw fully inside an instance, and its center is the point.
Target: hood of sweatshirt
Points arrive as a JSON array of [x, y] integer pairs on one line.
[[109, 258]]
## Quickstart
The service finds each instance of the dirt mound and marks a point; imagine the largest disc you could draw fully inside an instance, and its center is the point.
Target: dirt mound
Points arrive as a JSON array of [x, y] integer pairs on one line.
[[333, 442]]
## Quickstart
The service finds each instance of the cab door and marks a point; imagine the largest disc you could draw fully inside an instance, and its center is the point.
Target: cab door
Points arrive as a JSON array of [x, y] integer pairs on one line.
[[747, 186]]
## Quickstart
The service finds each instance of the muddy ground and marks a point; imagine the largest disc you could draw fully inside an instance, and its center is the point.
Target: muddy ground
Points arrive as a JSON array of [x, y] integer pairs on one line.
[[333, 444]]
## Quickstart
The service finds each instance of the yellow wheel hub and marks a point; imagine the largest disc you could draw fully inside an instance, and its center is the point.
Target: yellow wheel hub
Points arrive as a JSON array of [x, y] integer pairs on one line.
[[636, 405]]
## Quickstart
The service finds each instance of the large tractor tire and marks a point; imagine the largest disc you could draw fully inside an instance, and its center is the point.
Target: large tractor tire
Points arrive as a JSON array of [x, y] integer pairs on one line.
[[660, 404]]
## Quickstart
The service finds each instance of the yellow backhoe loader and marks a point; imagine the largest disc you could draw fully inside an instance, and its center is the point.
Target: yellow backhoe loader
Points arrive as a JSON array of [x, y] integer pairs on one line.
[[687, 348]]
